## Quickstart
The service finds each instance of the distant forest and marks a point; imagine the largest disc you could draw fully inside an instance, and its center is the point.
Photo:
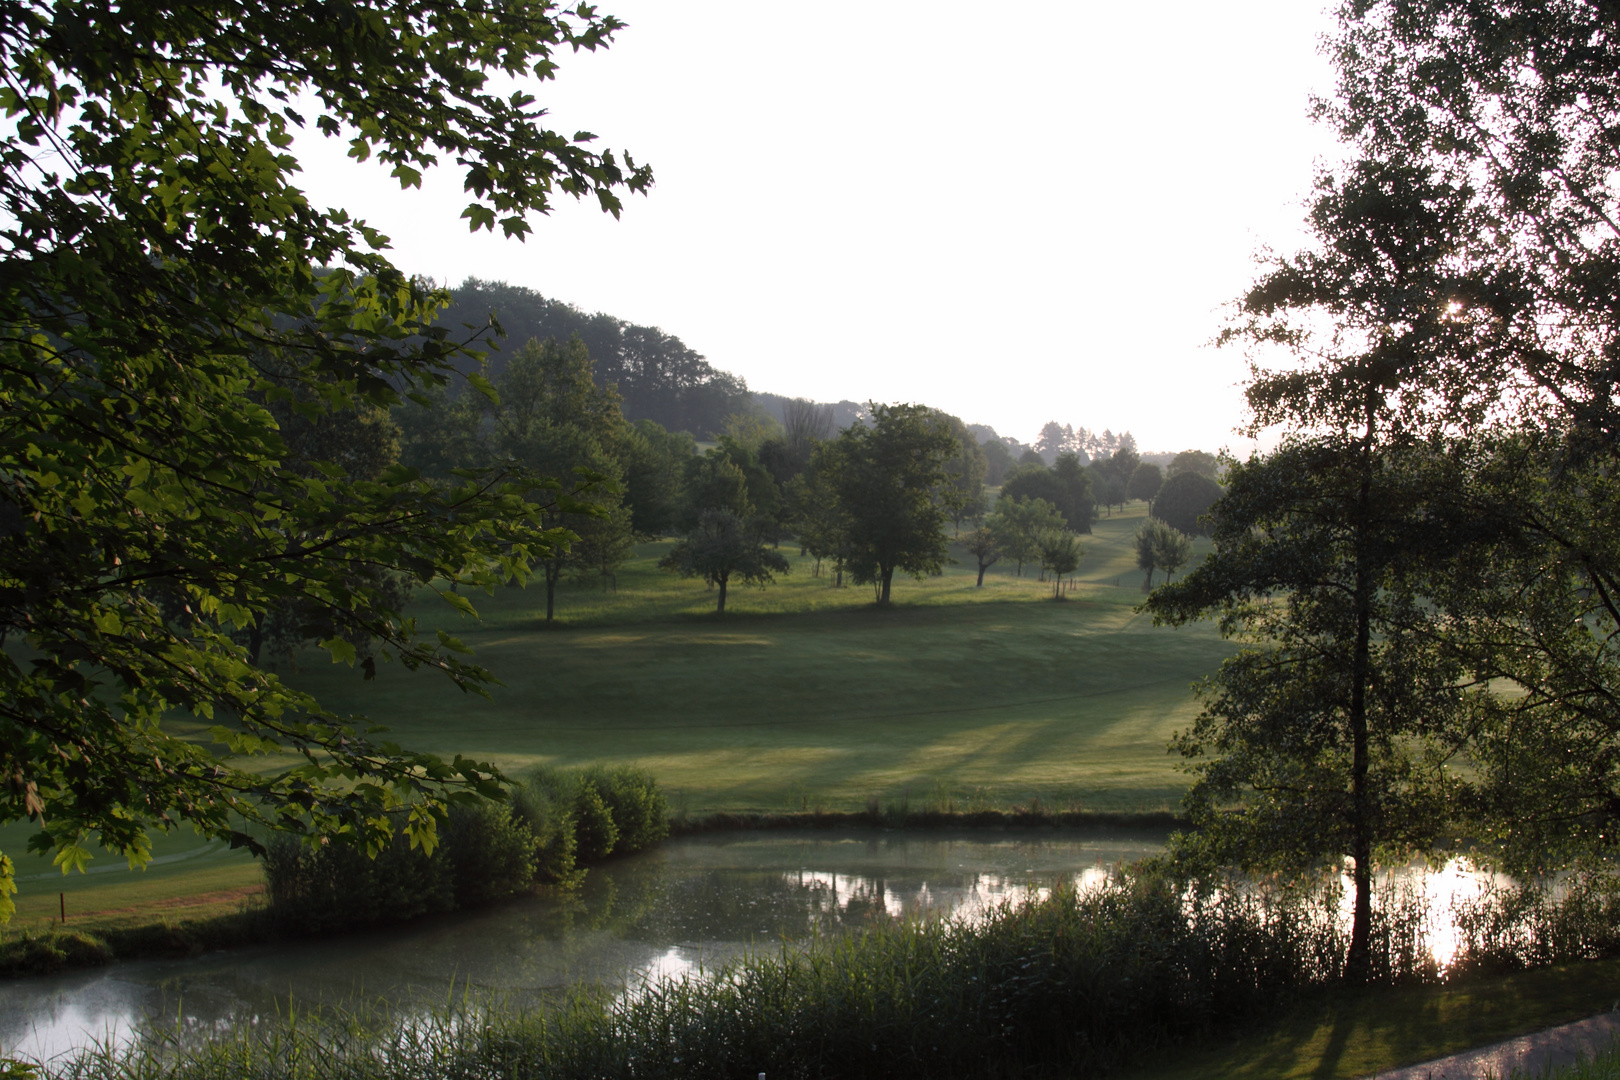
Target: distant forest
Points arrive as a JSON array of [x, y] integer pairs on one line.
[[661, 378]]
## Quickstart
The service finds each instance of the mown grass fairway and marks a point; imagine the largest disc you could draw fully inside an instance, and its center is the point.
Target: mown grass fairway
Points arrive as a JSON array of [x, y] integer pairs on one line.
[[804, 695], [801, 696]]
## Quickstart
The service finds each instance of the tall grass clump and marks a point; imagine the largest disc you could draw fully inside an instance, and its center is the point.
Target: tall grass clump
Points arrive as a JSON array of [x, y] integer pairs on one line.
[[557, 822]]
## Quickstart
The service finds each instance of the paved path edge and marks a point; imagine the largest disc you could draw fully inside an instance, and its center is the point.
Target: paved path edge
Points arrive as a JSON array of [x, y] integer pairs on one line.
[[1531, 1054]]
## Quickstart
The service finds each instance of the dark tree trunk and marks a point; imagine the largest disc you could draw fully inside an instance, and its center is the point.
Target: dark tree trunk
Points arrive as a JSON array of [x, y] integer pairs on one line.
[[553, 573], [720, 609], [255, 642], [981, 576], [888, 578], [1358, 963]]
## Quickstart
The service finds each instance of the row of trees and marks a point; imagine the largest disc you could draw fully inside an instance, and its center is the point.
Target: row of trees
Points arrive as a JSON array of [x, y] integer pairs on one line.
[[1425, 573], [871, 502]]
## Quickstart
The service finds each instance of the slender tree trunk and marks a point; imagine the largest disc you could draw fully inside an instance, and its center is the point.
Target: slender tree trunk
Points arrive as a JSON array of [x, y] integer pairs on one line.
[[981, 576], [888, 578], [1147, 586], [255, 640], [721, 609], [553, 572], [1357, 965]]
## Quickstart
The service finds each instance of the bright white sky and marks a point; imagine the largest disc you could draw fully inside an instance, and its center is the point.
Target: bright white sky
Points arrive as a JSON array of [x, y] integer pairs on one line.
[[1013, 214]]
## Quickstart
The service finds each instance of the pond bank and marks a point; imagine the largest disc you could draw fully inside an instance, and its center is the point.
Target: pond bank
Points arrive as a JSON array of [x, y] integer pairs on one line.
[[222, 921], [691, 902], [899, 816]]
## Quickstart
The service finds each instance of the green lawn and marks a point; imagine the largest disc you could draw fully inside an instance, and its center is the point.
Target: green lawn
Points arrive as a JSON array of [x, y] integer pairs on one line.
[[805, 695], [802, 696]]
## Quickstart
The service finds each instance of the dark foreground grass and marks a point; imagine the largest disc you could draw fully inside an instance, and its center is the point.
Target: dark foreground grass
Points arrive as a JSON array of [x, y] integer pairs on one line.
[[1343, 1035]]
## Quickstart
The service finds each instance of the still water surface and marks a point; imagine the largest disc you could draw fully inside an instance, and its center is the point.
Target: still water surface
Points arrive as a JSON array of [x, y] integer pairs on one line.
[[690, 903]]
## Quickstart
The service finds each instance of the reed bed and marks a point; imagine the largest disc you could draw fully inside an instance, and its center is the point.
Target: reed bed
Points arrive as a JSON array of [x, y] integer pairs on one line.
[[1075, 984]]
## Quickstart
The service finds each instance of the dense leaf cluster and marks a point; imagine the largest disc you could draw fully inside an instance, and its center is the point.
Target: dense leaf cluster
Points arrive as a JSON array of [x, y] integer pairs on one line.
[[165, 289]]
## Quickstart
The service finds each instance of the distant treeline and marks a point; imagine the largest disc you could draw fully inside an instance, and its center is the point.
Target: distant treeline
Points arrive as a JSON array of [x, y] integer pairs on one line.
[[659, 377]]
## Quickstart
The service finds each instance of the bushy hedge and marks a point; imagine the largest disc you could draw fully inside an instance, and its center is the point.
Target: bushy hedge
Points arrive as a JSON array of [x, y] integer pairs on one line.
[[557, 822]]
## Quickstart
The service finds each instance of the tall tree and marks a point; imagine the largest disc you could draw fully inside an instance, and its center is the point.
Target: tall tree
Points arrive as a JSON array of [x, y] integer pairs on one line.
[[1145, 482], [1060, 555], [984, 544], [1332, 734], [998, 462], [822, 522], [1020, 523], [1054, 438], [654, 463], [163, 253], [1066, 486], [1184, 500], [722, 548], [806, 424], [1197, 461], [891, 479], [1462, 281], [551, 417], [966, 469]]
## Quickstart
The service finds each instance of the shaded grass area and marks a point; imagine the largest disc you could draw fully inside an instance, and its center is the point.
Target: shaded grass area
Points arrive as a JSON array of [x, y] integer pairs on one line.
[[806, 696], [1341, 1035]]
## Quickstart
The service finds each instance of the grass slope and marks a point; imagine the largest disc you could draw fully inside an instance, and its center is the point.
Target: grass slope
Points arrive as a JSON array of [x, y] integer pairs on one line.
[[801, 696], [804, 695]]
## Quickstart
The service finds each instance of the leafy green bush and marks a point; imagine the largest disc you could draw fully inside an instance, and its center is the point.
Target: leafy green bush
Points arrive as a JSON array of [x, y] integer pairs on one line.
[[490, 851], [336, 886], [551, 823], [38, 954], [640, 811], [557, 820], [595, 832]]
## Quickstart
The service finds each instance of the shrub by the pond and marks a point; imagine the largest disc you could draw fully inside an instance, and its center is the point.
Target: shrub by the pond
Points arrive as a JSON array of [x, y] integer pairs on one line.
[[491, 852], [557, 821], [330, 886], [638, 807], [39, 953]]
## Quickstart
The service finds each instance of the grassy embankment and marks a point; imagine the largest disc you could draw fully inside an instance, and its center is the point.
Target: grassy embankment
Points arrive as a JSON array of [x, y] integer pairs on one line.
[[1353, 1034], [802, 696]]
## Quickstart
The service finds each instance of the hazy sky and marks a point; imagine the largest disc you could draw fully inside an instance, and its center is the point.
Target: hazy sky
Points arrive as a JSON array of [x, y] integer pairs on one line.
[[1014, 214]]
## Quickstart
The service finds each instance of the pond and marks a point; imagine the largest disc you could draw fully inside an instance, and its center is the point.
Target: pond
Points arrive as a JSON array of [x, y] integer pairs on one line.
[[689, 903]]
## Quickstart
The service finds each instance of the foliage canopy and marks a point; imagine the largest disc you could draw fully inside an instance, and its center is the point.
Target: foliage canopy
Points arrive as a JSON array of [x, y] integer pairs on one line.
[[162, 291]]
